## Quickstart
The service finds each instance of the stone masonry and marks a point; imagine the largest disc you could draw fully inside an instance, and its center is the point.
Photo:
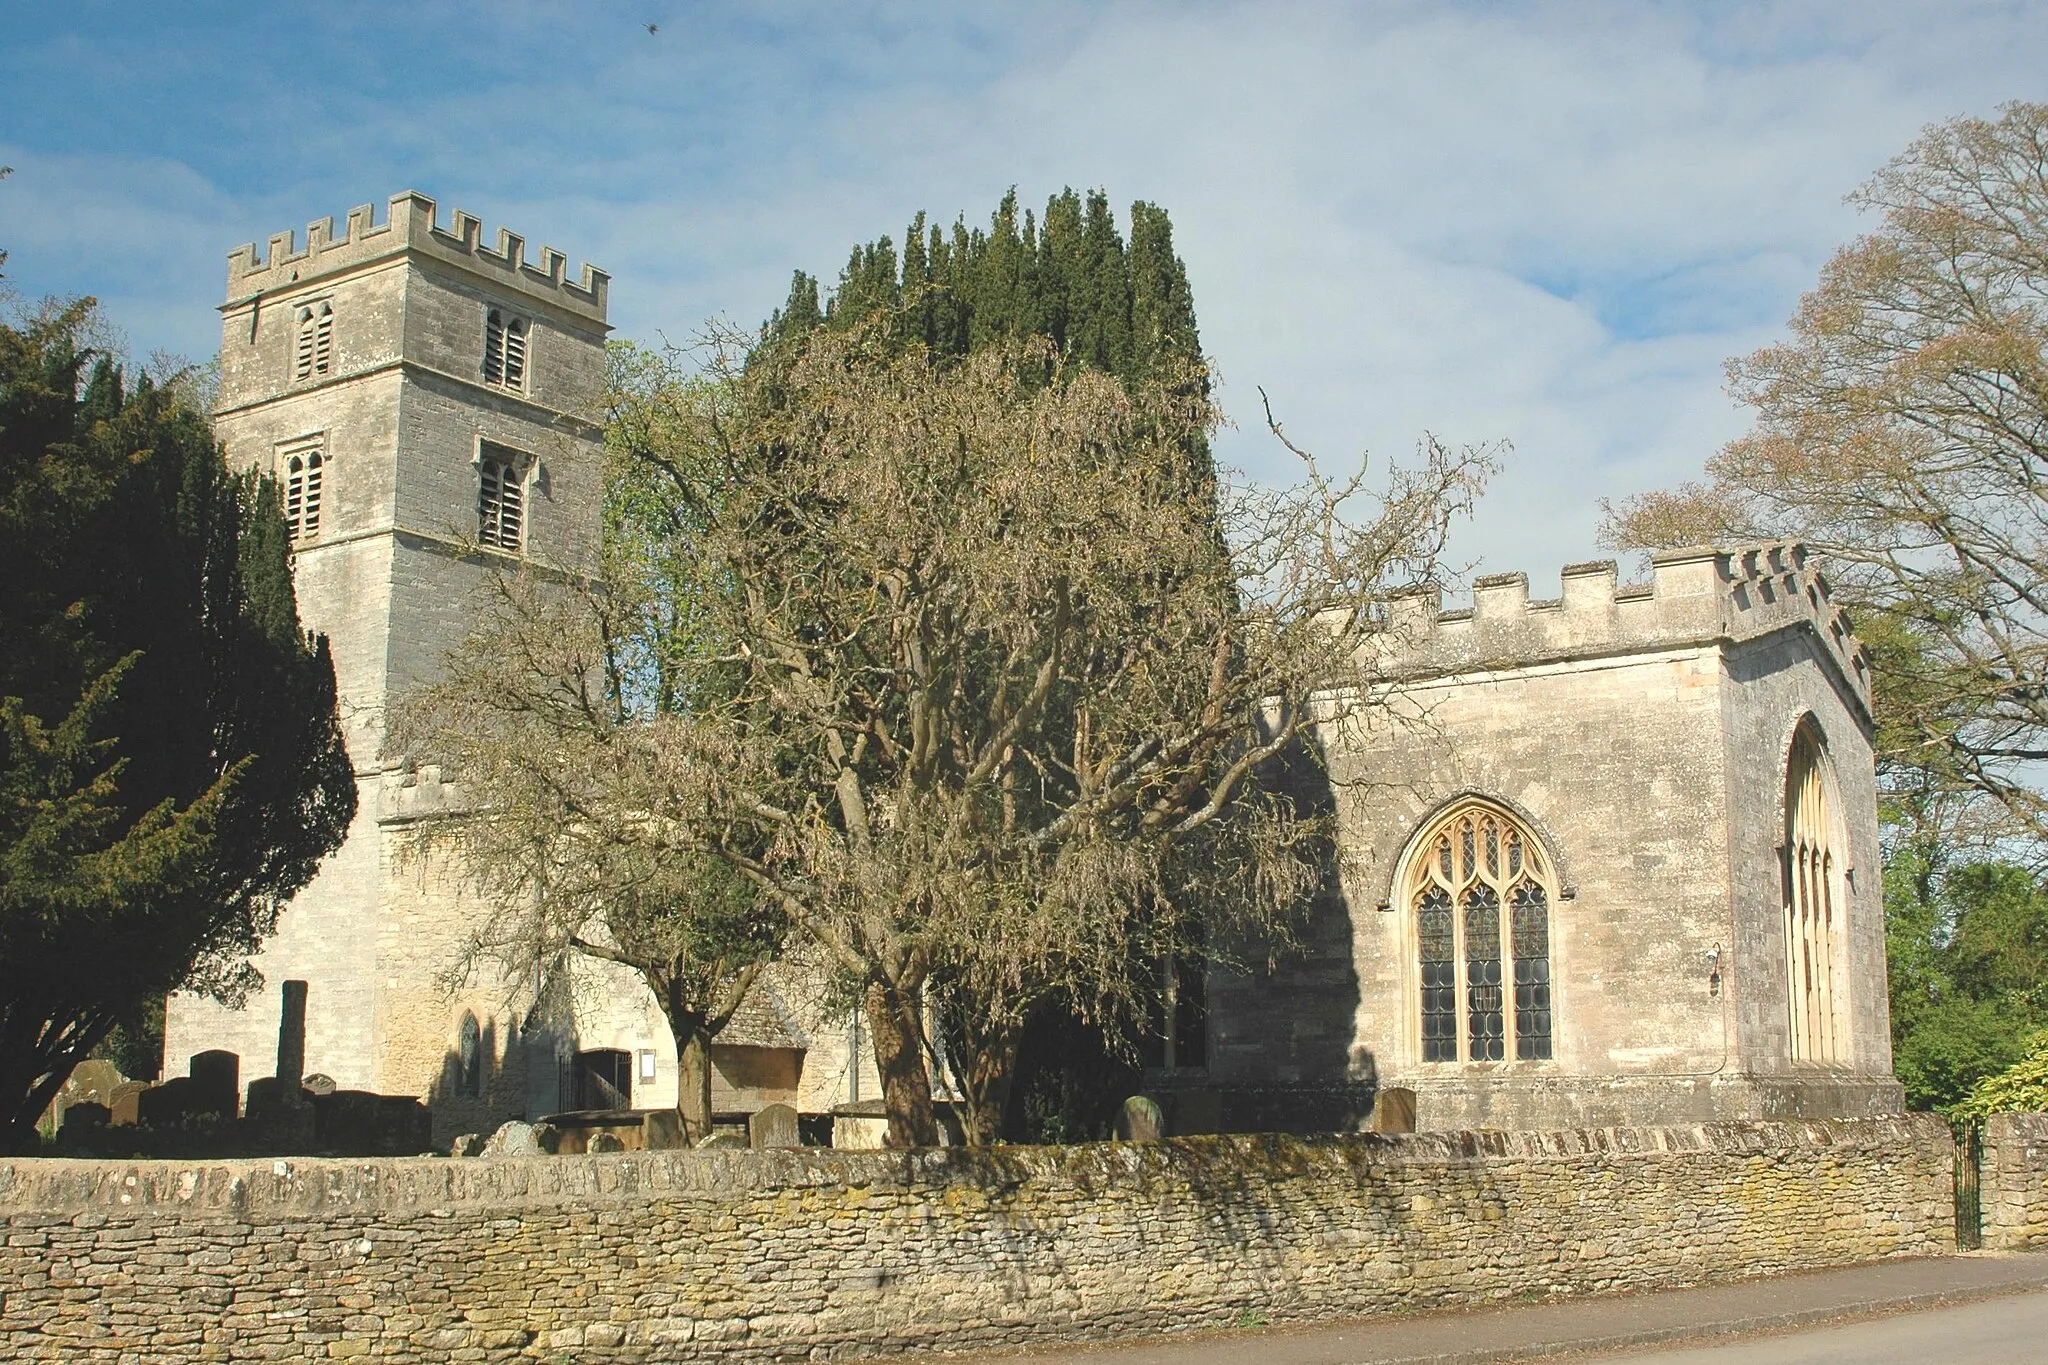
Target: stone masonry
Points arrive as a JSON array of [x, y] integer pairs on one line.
[[2013, 1182], [808, 1254], [1641, 734], [399, 399]]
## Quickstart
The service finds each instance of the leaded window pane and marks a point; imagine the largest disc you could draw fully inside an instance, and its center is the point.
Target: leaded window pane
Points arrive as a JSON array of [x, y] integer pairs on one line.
[[1485, 1028], [1437, 936], [1529, 910]]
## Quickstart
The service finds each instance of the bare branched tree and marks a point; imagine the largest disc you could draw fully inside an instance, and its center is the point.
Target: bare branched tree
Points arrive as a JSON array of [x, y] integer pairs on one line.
[[1903, 430], [977, 682]]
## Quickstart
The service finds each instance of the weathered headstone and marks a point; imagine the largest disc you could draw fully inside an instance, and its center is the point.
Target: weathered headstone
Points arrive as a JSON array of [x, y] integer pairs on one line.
[[722, 1142], [513, 1139], [1140, 1120], [605, 1143], [125, 1103], [345, 1123], [85, 1116], [291, 1040], [216, 1082], [319, 1083], [861, 1126], [772, 1125], [468, 1144], [1393, 1111], [404, 1125], [662, 1130], [165, 1106]]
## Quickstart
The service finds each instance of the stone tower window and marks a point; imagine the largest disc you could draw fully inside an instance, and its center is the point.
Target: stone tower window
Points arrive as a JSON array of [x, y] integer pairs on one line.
[[504, 349], [500, 497], [1480, 890], [313, 344], [1814, 905], [304, 470]]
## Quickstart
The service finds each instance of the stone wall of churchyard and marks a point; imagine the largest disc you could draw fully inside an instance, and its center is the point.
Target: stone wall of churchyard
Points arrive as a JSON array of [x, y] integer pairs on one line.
[[2013, 1182], [794, 1254]]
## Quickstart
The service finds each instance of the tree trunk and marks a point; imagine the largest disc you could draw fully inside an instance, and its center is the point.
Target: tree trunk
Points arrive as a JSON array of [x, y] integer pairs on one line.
[[693, 1080], [987, 1074], [899, 1056]]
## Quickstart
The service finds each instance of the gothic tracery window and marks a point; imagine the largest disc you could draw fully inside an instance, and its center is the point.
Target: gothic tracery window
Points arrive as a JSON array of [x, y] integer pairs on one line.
[[504, 349], [500, 498], [1813, 873], [313, 340], [1480, 891], [304, 473]]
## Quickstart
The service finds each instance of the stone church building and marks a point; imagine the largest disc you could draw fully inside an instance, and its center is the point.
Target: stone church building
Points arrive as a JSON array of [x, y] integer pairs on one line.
[[1621, 865]]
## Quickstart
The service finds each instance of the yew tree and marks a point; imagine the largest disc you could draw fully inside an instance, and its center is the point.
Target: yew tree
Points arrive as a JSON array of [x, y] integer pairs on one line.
[[171, 765]]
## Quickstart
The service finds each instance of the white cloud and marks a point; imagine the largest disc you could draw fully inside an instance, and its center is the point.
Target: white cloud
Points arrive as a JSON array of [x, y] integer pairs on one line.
[[1547, 223]]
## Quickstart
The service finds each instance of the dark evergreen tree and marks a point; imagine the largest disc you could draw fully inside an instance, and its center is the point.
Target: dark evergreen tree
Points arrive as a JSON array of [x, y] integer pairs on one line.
[[171, 763]]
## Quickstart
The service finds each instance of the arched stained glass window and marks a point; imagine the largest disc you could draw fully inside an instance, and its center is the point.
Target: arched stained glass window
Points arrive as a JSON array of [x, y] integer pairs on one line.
[[1813, 874], [1480, 890], [469, 1058]]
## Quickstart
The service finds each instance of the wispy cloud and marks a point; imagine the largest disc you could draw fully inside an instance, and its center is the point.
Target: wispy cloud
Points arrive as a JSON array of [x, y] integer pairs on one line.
[[1547, 223]]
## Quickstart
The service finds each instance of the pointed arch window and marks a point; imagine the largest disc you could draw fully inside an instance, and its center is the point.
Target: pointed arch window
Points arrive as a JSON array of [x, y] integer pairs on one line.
[[505, 349], [469, 1059], [305, 471], [1480, 888], [313, 340], [500, 497], [1813, 872]]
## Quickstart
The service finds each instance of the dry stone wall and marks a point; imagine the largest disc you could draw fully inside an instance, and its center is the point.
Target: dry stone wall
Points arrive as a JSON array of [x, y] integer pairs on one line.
[[808, 1254], [2013, 1182]]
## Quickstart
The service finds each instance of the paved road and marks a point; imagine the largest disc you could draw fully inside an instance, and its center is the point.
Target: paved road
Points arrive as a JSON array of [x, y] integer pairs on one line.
[[1945, 1310], [1987, 1333]]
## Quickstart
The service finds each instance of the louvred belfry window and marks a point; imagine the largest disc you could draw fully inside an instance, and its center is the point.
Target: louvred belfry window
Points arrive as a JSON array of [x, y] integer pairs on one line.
[[1813, 871], [1480, 890], [504, 349], [313, 340], [500, 499], [303, 474]]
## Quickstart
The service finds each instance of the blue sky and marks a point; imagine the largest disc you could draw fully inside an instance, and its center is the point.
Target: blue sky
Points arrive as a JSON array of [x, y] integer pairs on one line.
[[1546, 223]]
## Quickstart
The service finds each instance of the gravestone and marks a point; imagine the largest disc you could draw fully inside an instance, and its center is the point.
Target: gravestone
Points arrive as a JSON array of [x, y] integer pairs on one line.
[[165, 1106], [345, 1123], [404, 1126], [291, 1041], [125, 1105], [605, 1143], [1393, 1111], [722, 1142], [319, 1083], [216, 1082], [1140, 1120], [662, 1130], [513, 1139], [468, 1144], [772, 1126], [85, 1116]]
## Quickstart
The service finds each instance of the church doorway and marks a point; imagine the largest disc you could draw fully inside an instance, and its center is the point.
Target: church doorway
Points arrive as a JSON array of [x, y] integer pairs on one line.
[[604, 1079]]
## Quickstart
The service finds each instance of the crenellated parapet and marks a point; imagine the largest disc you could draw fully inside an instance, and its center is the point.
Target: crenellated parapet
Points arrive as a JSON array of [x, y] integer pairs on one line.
[[1694, 596], [411, 225]]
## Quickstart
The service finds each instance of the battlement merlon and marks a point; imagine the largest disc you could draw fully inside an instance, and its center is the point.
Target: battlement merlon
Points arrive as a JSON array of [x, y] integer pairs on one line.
[[410, 226], [1697, 595]]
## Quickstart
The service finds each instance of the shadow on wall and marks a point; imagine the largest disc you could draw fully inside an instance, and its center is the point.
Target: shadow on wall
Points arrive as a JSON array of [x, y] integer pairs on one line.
[[1282, 1017], [483, 1082]]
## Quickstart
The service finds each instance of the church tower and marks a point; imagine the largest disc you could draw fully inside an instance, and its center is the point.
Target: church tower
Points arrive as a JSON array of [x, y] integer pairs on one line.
[[429, 406]]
